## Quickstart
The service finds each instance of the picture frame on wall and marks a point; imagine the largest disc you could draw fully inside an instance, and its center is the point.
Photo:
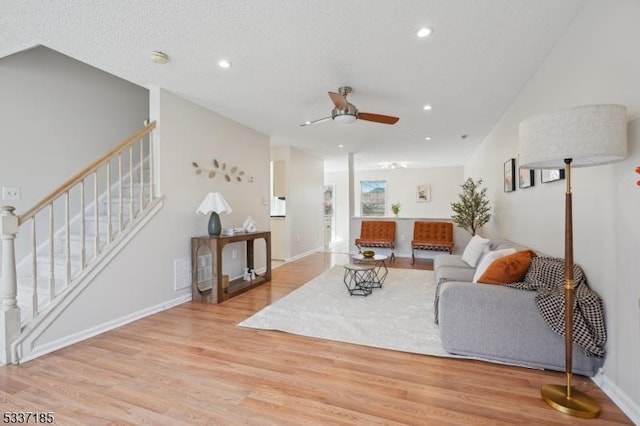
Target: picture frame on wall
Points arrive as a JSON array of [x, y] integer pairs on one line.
[[526, 178], [553, 175], [423, 193], [509, 175]]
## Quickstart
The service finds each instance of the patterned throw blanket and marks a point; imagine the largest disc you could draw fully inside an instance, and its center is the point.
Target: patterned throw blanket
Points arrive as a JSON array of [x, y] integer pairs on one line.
[[546, 276]]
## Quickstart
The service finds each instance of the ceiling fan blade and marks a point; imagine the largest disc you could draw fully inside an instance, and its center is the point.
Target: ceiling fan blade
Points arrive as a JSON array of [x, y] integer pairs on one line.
[[378, 118], [339, 101], [320, 120]]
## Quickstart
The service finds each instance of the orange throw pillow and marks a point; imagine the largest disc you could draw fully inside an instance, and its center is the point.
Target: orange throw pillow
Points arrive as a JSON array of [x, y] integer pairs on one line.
[[508, 269]]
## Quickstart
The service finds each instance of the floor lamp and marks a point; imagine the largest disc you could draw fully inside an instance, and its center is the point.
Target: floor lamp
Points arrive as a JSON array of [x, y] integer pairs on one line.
[[583, 136]]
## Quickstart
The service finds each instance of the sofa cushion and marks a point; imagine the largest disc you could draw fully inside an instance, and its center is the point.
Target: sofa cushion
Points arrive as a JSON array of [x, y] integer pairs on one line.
[[451, 273], [476, 247], [488, 259], [508, 269], [449, 260]]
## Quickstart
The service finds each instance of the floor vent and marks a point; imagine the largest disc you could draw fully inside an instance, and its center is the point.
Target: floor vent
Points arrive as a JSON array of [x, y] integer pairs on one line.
[[182, 268]]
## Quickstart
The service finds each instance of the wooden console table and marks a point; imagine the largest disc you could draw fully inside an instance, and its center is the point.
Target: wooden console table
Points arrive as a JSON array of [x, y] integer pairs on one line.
[[216, 287]]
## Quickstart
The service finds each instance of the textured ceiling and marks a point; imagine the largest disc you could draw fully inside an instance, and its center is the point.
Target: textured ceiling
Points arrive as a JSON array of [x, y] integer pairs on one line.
[[287, 55]]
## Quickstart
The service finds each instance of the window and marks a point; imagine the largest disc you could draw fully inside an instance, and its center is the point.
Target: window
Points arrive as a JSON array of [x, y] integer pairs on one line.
[[372, 194]]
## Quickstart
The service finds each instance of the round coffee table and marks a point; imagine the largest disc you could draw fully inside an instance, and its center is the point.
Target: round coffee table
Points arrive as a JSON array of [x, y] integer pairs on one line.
[[380, 267], [359, 279]]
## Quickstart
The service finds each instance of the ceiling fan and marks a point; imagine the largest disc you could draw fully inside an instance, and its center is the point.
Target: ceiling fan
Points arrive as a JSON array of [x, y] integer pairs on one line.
[[346, 112]]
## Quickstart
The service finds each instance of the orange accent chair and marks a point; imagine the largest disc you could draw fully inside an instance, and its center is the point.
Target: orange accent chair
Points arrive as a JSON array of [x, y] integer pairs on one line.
[[377, 233], [431, 236]]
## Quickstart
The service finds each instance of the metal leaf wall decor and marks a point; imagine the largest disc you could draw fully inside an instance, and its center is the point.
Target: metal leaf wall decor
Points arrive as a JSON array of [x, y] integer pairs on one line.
[[232, 174]]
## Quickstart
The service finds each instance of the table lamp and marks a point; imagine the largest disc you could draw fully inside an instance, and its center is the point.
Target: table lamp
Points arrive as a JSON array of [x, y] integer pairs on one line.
[[215, 204], [582, 136]]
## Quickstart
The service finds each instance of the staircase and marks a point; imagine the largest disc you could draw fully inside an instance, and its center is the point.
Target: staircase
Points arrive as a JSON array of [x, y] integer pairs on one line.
[[67, 238]]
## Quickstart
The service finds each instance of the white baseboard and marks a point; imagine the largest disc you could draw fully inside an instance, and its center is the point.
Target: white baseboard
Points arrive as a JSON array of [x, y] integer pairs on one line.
[[63, 342], [619, 397], [305, 254]]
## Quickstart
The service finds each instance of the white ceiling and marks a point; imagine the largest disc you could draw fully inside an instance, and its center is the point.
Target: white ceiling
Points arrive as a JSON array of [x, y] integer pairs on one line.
[[287, 55]]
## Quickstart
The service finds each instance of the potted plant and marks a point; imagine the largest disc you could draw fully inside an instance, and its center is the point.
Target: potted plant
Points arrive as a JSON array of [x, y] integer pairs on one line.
[[395, 208], [472, 210]]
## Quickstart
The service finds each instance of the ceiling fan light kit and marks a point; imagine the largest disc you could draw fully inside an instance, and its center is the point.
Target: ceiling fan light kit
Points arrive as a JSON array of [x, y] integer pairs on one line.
[[347, 113], [344, 118]]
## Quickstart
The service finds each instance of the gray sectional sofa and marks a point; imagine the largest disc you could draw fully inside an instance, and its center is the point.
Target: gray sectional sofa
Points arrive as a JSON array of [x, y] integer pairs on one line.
[[498, 323]]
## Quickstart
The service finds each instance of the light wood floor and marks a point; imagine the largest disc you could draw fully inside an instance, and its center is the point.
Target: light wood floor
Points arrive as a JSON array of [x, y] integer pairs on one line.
[[191, 365]]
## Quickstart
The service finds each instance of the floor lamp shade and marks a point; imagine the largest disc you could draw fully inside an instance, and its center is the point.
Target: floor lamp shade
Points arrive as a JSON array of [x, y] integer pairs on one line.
[[215, 204], [589, 135], [580, 137]]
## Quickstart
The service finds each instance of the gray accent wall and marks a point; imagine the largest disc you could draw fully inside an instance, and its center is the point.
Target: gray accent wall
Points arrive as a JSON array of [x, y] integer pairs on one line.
[[58, 115]]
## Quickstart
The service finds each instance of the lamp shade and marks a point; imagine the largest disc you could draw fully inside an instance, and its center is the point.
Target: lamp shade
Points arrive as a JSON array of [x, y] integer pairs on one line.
[[589, 135], [214, 202]]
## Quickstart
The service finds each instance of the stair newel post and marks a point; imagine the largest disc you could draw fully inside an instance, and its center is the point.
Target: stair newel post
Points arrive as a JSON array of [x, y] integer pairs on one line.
[[9, 310]]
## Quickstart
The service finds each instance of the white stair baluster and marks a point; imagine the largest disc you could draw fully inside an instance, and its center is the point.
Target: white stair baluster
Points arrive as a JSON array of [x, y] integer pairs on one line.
[[131, 184], [34, 269], [120, 184], [67, 248], [83, 248], [109, 202], [52, 278]]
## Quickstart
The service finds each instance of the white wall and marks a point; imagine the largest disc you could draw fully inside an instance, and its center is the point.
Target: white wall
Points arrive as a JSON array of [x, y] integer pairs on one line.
[[304, 221], [340, 179], [141, 277], [401, 187], [595, 62]]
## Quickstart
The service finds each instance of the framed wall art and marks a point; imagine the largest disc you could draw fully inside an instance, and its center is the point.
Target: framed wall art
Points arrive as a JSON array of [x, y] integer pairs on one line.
[[423, 193], [509, 175], [526, 178], [547, 176]]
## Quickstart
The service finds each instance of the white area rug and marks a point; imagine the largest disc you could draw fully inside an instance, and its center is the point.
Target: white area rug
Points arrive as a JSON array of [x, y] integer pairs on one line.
[[399, 316]]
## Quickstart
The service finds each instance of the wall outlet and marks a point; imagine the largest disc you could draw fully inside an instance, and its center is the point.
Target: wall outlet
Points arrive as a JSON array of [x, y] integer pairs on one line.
[[11, 193], [401, 237], [234, 253]]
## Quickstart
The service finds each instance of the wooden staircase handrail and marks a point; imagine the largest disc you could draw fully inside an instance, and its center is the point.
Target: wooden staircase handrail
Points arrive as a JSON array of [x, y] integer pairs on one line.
[[85, 172]]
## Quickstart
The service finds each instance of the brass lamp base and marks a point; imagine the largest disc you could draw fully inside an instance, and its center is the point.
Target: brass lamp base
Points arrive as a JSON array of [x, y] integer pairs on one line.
[[579, 405]]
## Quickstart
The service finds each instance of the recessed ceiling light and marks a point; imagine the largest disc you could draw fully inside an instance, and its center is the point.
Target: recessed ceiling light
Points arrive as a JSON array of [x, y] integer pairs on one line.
[[427, 107], [427, 138], [340, 146], [394, 165], [159, 57], [307, 123], [464, 136], [223, 63], [424, 32]]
